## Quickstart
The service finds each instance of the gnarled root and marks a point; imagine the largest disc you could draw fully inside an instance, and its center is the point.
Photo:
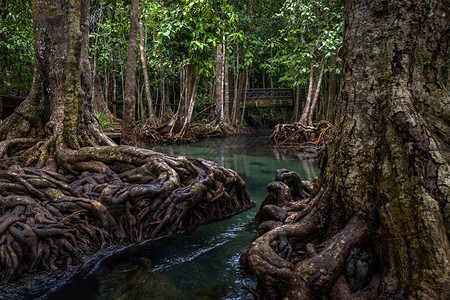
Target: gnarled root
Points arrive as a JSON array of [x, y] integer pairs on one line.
[[93, 197], [270, 256], [290, 258], [317, 274], [299, 135]]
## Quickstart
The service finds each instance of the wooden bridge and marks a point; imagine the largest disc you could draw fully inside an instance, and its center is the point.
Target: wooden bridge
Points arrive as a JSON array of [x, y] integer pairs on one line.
[[7, 105], [260, 98]]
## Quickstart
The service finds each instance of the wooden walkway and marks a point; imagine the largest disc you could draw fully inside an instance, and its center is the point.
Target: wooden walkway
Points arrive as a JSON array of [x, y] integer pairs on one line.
[[261, 98]]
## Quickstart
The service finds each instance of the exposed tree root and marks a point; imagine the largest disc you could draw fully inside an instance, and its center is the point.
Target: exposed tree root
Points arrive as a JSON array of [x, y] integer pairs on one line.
[[163, 134], [92, 197], [290, 258], [299, 135]]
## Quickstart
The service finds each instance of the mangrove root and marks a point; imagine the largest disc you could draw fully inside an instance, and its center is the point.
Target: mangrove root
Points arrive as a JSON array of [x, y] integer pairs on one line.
[[93, 197], [299, 135]]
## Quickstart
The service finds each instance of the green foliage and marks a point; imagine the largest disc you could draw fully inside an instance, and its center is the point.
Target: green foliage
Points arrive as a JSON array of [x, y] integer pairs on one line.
[[105, 121], [311, 30], [16, 47], [275, 39], [189, 31]]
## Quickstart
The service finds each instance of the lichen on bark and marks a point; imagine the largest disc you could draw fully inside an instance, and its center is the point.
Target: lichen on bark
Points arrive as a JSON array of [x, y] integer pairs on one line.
[[384, 181]]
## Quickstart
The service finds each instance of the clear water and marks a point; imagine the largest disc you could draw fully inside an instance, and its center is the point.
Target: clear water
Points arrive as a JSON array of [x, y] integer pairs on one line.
[[208, 257]]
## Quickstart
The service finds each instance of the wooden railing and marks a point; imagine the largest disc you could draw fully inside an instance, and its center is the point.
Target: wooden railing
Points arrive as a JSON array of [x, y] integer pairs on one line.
[[252, 94]]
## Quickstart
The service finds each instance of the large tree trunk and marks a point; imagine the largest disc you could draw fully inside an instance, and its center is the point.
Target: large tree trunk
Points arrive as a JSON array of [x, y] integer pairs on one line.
[[62, 196], [128, 136], [376, 225]]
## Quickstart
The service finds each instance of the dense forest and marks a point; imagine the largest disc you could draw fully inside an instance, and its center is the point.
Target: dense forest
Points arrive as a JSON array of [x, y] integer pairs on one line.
[[221, 47], [368, 84]]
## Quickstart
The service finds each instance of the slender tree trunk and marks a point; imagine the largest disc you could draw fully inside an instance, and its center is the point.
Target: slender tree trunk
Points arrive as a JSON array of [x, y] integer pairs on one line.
[[151, 112], [99, 103], [306, 108], [219, 85], [94, 69], [246, 80], [114, 96], [239, 82], [141, 109], [316, 94], [227, 88], [162, 103], [128, 136], [180, 122], [296, 108]]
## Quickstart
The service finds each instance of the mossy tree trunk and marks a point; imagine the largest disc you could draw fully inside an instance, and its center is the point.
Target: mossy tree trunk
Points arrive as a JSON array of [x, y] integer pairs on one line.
[[383, 190]]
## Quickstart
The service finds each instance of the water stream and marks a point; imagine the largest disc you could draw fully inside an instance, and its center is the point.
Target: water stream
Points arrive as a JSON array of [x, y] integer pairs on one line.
[[205, 262]]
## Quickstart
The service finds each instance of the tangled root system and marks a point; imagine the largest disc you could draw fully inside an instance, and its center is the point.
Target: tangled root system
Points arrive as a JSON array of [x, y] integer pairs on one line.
[[84, 200]]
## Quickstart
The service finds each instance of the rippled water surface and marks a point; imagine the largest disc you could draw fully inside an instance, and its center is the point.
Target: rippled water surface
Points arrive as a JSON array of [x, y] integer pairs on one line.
[[205, 262]]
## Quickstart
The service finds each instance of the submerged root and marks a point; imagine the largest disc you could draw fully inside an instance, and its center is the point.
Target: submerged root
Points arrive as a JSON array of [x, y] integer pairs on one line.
[[50, 218], [165, 135]]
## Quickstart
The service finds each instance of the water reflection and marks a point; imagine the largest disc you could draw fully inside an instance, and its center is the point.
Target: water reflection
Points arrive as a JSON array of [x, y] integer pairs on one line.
[[205, 261]]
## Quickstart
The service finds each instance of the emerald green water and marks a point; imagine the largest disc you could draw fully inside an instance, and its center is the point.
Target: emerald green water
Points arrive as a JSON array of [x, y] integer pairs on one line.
[[205, 261]]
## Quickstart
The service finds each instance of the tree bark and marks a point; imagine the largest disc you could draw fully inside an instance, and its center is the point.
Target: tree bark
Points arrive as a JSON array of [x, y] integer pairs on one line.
[[376, 225], [226, 97], [151, 112], [296, 108], [128, 136], [179, 124], [306, 108], [316, 94], [332, 95], [238, 97], [219, 85]]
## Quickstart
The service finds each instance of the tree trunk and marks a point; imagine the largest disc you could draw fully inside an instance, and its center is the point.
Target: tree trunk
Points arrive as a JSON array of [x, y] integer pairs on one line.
[[219, 85], [151, 112], [62, 196], [246, 83], [239, 87], [99, 104], [226, 84], [296, 108], [376, 225], [332, 95], [306, 108], [316, 94], [179, 125], [128, 136]]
